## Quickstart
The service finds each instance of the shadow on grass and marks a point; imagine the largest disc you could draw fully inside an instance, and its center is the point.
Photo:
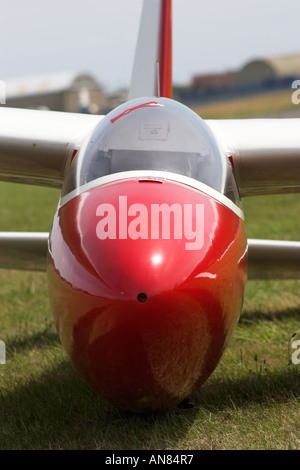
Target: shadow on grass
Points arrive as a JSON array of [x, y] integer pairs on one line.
[[31, 340], [57, 410], [284, 314], [254, 389]]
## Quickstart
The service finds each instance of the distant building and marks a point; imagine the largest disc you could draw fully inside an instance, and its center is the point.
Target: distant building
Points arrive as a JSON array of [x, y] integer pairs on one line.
[[58, 92], [269, 72], [213, 82], [206, 87], [256, 76]]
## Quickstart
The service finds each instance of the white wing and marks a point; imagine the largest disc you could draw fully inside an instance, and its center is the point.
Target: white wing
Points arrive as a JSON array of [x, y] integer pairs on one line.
[[24, 250], [36, 146], [265, 153], [273, 259]]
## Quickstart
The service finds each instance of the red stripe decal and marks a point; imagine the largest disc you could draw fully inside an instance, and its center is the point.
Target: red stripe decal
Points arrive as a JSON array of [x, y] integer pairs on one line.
[[129, 110], [230, 158], [73, 155]]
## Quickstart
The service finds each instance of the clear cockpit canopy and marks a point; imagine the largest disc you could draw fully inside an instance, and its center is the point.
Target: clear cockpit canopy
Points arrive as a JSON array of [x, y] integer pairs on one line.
[[159, 135]]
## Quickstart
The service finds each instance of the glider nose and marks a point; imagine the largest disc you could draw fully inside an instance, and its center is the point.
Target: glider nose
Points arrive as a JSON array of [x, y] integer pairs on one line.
[[146, 288]]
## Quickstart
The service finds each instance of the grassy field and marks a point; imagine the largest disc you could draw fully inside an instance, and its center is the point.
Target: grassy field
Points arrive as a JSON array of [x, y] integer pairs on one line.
[[263, 104], [250, 402]]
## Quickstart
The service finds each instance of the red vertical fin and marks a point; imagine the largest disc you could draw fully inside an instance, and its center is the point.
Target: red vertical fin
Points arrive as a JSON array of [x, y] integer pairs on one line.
[[165, 50]]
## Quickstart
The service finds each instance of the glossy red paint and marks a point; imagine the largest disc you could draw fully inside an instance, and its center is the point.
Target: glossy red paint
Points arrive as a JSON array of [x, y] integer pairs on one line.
[[150, 353]]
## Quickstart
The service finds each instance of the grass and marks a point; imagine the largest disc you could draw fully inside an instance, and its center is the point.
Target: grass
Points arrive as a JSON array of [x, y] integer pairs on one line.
[[250, 402], [263, 104]]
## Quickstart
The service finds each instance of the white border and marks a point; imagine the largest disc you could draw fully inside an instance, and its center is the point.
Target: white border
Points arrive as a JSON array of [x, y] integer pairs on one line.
[[154, 174]]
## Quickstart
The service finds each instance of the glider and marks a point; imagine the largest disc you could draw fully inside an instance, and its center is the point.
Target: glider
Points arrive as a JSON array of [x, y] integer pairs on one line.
[[147, 258]]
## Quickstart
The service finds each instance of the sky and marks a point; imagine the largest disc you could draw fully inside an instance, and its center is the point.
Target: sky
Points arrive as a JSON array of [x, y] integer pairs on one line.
[[99, 36]]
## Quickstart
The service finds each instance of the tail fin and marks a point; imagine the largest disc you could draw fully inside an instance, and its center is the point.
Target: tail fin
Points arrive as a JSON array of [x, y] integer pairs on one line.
[[152, 71]]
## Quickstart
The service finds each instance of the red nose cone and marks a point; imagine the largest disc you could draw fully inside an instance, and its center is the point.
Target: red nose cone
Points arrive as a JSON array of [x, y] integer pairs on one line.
[[146, 283]]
